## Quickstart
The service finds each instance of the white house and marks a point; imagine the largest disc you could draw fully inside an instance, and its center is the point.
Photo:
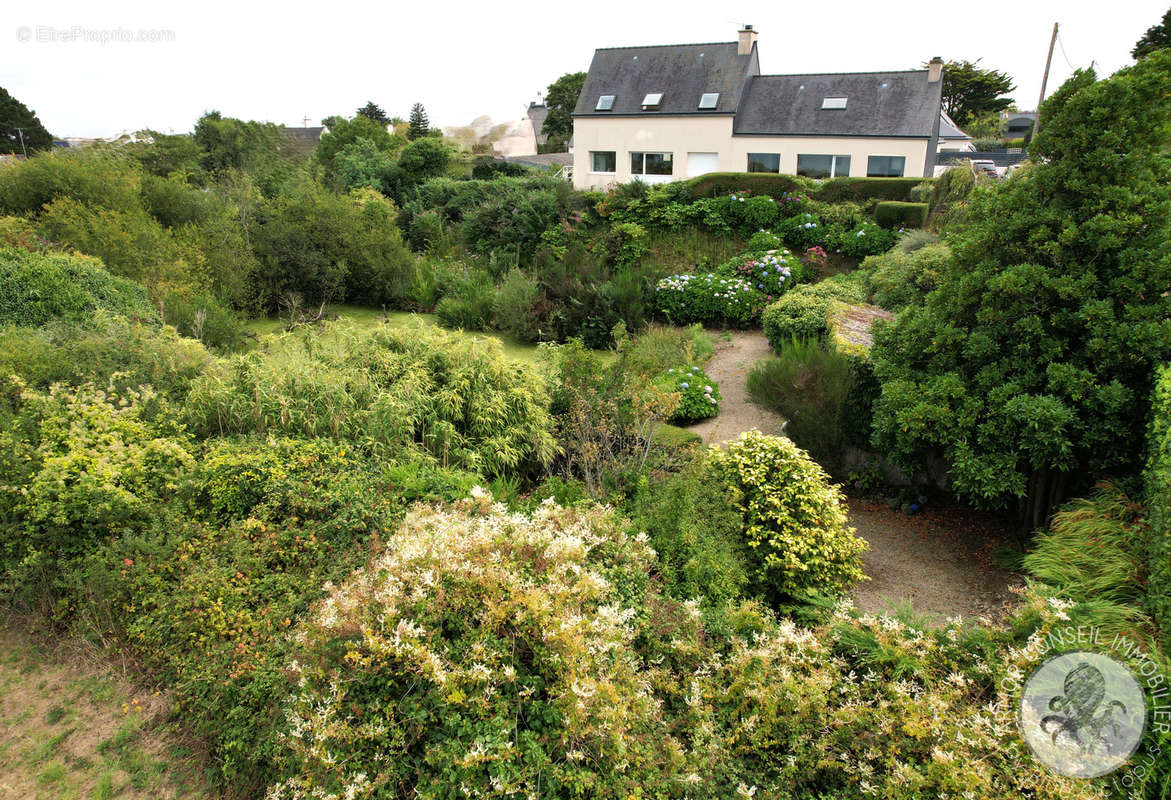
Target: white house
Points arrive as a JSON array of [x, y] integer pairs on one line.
[[670, 112]]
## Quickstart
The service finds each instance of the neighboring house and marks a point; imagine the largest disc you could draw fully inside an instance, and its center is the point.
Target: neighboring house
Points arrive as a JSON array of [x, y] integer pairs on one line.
[[664, 113], [1018, 124], [537, 113], [303, 141], [951, 138]]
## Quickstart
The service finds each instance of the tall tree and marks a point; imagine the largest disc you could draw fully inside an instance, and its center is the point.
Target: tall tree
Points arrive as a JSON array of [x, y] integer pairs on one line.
[[374, 112], [1030, 366], [970, 91], [17, 120], [561, 100], [420, 125], [1157, 37]]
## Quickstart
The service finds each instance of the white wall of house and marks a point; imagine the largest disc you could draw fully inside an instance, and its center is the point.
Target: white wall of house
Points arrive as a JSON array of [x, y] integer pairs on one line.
[[682, 136]]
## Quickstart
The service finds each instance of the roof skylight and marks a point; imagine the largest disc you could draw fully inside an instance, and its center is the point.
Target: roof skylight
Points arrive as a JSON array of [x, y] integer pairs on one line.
[[605, 103], [833, 102], [652, 100], [709, 99]]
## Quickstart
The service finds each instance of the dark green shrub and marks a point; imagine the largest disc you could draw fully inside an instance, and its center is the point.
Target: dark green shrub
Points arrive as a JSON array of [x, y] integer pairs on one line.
[[37, 288], [696, 535], [202, 316], [514, 306], [894, 214], [808, 383], [174, 202], [1158, 494], [328, 247]]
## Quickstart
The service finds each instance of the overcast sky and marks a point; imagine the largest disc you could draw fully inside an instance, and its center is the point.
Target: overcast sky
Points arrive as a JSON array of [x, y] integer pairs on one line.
[[294, 61]]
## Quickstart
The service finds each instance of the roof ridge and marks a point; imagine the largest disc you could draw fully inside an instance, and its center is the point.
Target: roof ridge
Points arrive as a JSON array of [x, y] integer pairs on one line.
[[646, 46], [862, 72]]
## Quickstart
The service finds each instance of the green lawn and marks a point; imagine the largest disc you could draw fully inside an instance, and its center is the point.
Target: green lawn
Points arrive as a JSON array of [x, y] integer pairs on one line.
[[514, 348]]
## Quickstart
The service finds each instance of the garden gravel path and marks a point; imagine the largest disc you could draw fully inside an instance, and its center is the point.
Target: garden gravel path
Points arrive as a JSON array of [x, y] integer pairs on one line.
[[940, 559], [729, 367]]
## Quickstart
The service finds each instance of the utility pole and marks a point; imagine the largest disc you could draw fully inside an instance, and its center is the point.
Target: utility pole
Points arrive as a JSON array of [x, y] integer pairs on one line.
[[1045, 79], [20, 133]]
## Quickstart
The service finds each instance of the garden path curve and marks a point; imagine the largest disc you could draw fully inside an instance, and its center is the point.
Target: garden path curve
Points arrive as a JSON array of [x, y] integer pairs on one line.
[[940, 560]]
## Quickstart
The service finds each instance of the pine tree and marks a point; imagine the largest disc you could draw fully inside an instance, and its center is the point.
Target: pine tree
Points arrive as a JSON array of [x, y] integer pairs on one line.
[[372, 111], [17, 121], [419, 123]]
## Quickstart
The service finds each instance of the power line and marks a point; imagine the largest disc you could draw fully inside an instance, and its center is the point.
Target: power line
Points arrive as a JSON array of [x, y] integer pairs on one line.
[[1061, 44]]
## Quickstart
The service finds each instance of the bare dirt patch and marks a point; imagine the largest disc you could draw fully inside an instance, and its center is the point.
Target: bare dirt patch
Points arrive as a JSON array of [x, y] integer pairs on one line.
[[69, 727], [940, 560]]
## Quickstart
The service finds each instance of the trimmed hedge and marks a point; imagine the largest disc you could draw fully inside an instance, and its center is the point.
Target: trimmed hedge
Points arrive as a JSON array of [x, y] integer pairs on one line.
[[36, 288], [897, 214], [1158, 490], [835, 190], [715, 184]]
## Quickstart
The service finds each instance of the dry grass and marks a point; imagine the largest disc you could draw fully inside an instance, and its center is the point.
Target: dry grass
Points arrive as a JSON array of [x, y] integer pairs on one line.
[[70, 727]]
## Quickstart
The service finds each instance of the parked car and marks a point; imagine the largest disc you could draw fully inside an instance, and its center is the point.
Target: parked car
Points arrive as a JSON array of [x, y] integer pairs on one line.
[[987, 167]]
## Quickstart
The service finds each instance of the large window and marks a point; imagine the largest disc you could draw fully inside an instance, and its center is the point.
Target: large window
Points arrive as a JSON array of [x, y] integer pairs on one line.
[[764, 162], [885, 166], [603, 161], [650, 163], [818, 166]]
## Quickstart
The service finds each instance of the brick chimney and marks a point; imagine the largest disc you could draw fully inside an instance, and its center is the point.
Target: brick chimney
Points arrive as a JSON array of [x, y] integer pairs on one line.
[[935, 69], [747, 39]]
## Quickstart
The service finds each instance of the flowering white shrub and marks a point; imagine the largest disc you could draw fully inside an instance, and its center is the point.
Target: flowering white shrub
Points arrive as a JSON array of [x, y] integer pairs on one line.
[[497, 655]]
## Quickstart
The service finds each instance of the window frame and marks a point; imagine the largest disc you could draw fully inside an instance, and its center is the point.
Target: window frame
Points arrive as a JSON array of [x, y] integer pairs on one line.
[[870, 170], [613, 155], [609, 106], [835, 160], [670, 159], [777, 171]]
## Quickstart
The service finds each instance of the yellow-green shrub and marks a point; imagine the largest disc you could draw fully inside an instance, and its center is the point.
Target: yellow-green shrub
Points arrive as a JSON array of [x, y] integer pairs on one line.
[[800, 544], [460, 399]]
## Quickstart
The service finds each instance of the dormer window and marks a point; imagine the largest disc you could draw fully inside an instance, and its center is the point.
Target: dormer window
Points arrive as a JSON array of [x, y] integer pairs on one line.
[[605, 103], [708, 100], [652, 101], [833, 102]]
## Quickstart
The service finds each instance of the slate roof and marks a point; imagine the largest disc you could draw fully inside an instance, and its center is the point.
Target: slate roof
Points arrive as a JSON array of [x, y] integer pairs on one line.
[[682, 72], [543, 160], [303, 141], [948, 129], [878, 104]]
